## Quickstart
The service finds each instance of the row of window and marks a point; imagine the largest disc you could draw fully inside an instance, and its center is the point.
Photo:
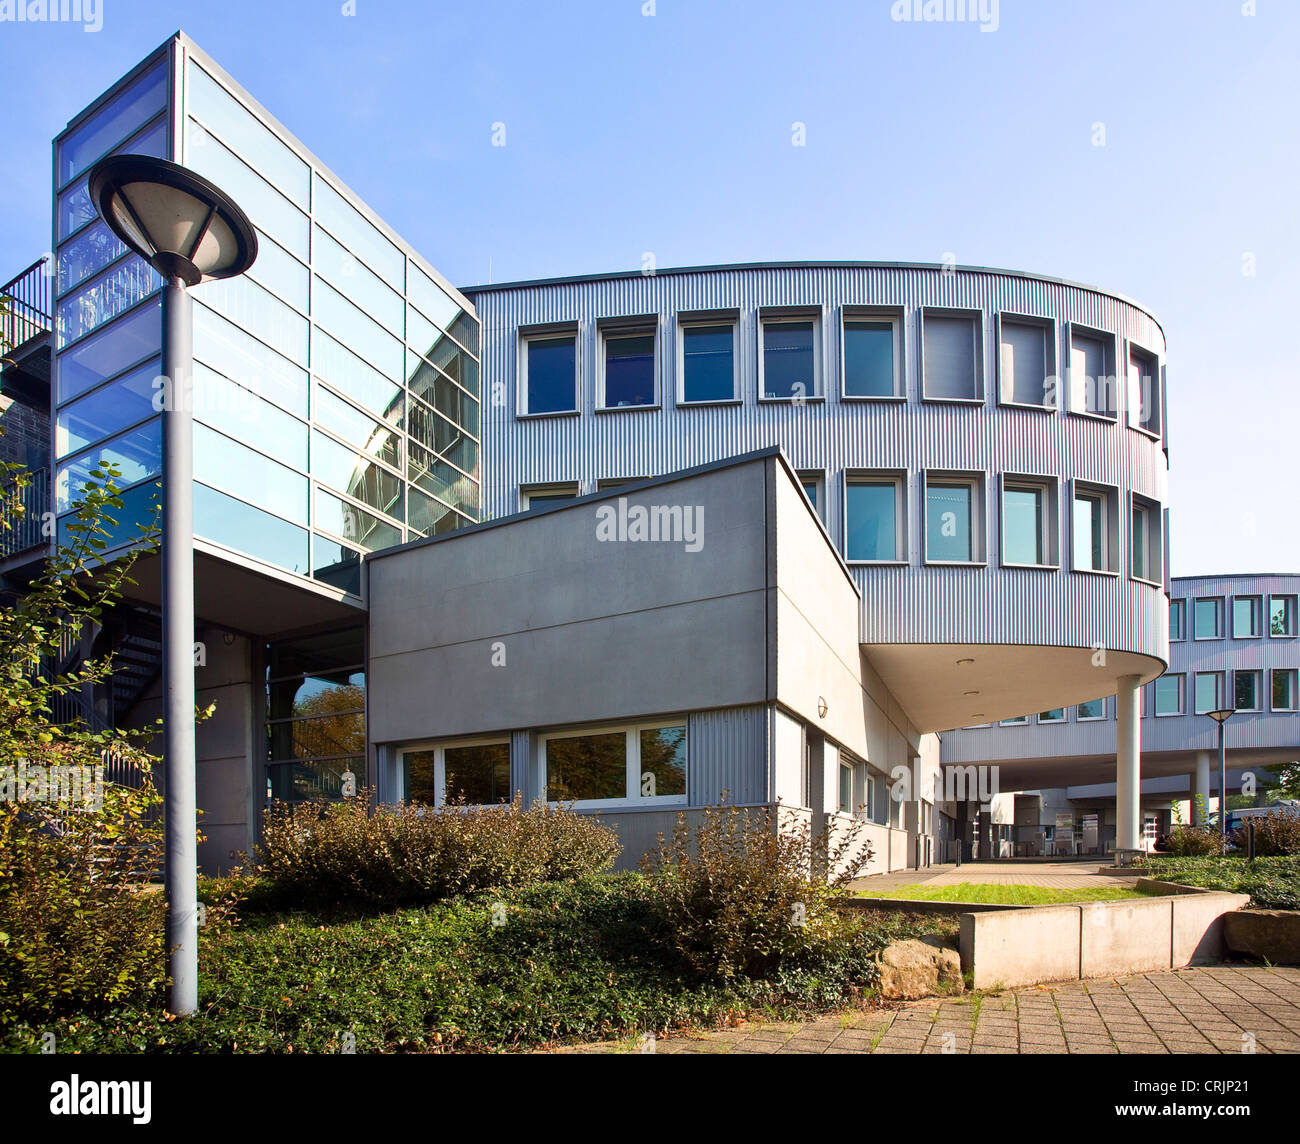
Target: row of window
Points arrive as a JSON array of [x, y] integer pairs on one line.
[[1208, 694], [630, 370], [1248, 617], [954, 526]]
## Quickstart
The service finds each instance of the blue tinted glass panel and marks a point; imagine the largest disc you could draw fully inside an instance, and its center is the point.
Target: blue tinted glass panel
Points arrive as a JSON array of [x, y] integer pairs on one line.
[[947, 522], [247, 529], [123, 344], [354, 524], [251, 308], [1169, 695], [869, 359], [708, 363], [362, 432], [629, 370], [359, 333], [255, 142], [1207, 691], [125, 525], [122, 116], [430, 518], [137, 455], [108, 410], [434, 302], [439, 390], [442, 480], [87, 254], [219, 461], [1209, 619], [75, 209], [281, 273], [465, 330], [347, 372], [336, 564], [552, 374], [360, 285], [242, 358], [103, 299], [346, 224], [267, 209], [1093, 709], [871, 524], [340, 468], [241, 414], [788, 369]]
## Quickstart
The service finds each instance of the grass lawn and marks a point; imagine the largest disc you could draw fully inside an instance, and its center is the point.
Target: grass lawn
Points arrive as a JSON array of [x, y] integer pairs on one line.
[[1003, 894]]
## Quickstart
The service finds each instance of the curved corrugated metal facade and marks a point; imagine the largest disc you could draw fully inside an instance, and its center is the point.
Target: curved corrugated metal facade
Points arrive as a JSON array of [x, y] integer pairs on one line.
[[916, 603]]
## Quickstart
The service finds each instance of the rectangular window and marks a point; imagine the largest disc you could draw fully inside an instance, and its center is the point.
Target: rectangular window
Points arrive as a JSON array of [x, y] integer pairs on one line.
[[953, 519], [1055, 715], [1209, 691], [873, 518], [1093, 709], [1208, 619], [1281, 615], [476, 774], [1245, 617], [1144, 541], [126, 112], [1246, 690], [543, 496], [1092, 382], [846, 788], [1028, 522], [1169, 695], [1144, 390], [814, 488], [550, 373], [627, 367], [1177, 620], [1026, 362], [788, 361], [952, 365], [645, 764], [1094, 541], [872, 354], [1284, 689], [709, 362], [121, 345], [1018, 721]]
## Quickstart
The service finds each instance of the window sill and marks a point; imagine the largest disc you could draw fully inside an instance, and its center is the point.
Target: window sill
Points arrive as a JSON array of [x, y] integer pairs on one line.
[[549, 413], [808, 399], [626, 408], [1144, 580], [1096, 572], [952, 400], [684, 404], [877, 563], [1147, 433], [1032, 567], [1108, 418], [868, 398], [955, 563], [605, 804], [1281, 636], [1027, 405], [1205, 639]]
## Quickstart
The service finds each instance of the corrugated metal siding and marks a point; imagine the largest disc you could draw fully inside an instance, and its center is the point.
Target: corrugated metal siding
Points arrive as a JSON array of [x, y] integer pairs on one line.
[[1190, 732], [905, 605], [727, 752]]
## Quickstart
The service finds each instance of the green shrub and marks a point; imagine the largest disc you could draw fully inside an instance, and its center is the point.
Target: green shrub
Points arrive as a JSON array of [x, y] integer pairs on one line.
[[353, 853], [739, 894], [1272, 883], [1277, 834], [1194, 841], [79, 927]]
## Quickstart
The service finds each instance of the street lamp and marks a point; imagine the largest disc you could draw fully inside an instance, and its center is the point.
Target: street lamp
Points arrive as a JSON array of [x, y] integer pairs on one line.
[[1221, 716], [190, 232]]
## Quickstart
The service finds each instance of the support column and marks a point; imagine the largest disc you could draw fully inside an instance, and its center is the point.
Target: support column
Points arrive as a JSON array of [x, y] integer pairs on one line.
[[1201, 787], [1128, 764]]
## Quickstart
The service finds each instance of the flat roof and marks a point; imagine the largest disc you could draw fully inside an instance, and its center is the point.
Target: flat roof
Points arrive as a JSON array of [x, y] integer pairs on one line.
[[527, 283]]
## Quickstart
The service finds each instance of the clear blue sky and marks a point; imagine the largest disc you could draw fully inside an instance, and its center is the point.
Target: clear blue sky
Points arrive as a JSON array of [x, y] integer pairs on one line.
[[671, 133]]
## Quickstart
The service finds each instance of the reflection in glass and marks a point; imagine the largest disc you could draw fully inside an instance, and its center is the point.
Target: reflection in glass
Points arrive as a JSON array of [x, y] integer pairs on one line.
[[249, 475], [432, 518], [552, 374], [107, 410], [107, 296], [354, 524], [355, 377], [1022, 526], [950, 356], [1245, 685], [342, 469], [788, 367], [708, 363], [362, 432], [111, 351], [87, 254], [345, 223], [263, 315], [137, 455], [433, 386], [336, 564], [240, 526], [948, 522], [663, 756], [1089, 515], [868, 359], [241, 414], [1169, 695], [365, 288], [123, 114], [583, 767], [871, 520], [75, 209], [314, 781], [478, 775], [437, 477], [236, 355], [629, 370]]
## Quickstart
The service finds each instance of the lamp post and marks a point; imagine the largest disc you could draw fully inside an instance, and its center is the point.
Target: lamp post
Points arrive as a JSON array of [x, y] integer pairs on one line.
[[190, 232], [1221, 716]]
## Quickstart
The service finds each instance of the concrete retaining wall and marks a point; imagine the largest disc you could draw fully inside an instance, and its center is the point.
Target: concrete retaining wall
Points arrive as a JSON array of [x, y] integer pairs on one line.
[[1095, 939]]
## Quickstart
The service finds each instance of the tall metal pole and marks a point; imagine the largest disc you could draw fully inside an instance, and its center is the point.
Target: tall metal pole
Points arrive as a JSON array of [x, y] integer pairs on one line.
[[1223, 792], [178, 650]]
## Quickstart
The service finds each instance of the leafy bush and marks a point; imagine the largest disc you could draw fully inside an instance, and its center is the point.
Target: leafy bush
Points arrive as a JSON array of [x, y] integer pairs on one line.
[[1277, 834], [739, 893], [1272, 883], [79, 928], [353, 853], [1194, 841], [581, 960]]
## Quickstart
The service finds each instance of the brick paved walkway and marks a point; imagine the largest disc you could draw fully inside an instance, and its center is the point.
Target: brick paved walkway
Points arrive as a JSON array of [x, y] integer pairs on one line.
[[1214, 1009]]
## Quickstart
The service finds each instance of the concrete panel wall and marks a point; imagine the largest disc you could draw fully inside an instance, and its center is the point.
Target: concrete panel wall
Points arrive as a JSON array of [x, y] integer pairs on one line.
[[1021, 947]]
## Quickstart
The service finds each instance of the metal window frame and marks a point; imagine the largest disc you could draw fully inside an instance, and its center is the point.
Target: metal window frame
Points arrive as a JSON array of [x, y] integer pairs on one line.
[[899, 479], [1110, 347], [688, 319], [897, 317], [977, 318], [1049, 524], [976, 479], [1051, 356], [632, 759]]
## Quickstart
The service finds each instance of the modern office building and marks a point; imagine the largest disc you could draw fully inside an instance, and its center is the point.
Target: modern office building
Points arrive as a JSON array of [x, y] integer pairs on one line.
[[762, 530], [1233, 642]]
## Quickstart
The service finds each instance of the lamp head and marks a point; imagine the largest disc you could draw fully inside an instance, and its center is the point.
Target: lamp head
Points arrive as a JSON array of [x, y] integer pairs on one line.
[[174, 219], [1222, 715]]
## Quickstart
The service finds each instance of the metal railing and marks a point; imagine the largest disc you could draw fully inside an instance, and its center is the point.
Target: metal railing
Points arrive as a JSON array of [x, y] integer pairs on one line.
[[26, 305], [26, 529]]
